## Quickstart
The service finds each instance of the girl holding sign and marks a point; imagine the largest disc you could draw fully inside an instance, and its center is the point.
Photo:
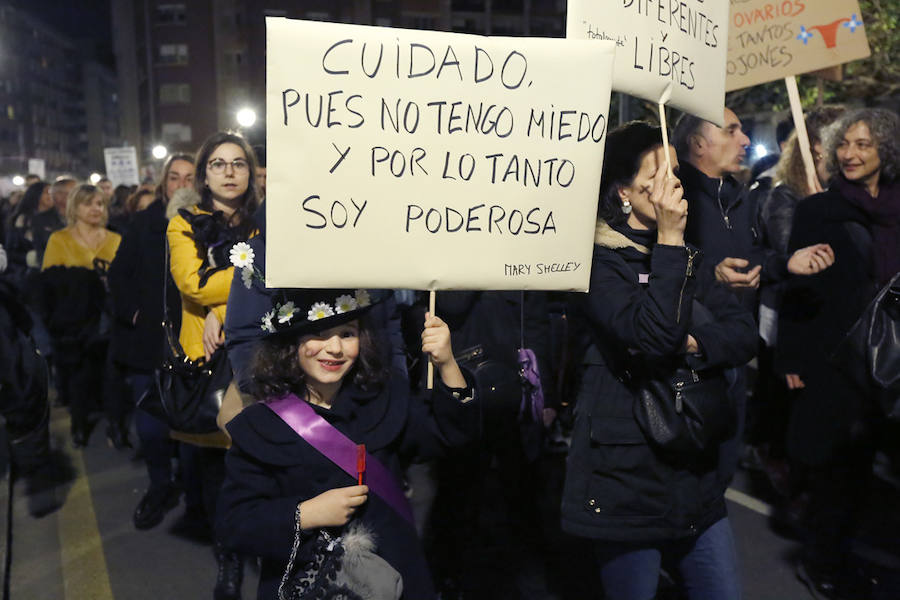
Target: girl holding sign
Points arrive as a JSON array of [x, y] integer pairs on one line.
[[313, 474], [653, 308]]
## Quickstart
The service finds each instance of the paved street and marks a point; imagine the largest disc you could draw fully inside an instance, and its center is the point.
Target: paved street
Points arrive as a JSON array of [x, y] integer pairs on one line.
[[73, 539]]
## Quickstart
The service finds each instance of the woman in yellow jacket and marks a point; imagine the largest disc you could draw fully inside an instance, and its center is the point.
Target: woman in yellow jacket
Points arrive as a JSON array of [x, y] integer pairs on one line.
[[200, 239], [73, 298]]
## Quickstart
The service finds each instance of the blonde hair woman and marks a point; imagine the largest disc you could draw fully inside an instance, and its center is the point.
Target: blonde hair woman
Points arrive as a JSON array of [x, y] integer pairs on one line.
[[86, 238], [73, 299]]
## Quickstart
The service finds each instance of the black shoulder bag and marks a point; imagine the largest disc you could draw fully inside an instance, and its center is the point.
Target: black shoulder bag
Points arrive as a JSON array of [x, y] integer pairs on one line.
[[870, 353], [682, 410], [186, 394]]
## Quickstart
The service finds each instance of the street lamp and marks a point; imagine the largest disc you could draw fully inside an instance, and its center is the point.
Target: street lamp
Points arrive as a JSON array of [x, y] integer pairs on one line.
[[18, 180], [246, 117], [160, 152], [95, 178]]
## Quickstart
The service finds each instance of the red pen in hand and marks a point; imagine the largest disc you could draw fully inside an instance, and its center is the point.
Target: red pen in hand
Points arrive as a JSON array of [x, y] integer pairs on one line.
[[360, 462]]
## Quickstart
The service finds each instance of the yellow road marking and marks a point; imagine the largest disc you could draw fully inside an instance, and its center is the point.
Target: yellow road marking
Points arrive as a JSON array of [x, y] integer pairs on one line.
[[85, 574]]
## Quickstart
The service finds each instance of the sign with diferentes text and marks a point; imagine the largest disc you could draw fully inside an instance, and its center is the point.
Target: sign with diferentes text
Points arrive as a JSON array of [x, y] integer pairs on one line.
[[670, 50], [431, 160], [773, 39]]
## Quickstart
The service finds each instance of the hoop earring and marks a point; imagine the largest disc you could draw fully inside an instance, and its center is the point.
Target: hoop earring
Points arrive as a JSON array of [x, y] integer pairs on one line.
[[626, 207]]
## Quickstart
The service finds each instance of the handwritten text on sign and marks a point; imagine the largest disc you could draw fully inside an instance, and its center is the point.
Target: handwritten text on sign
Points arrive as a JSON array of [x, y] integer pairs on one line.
[[431, 160], [662, 44], [772, 39]]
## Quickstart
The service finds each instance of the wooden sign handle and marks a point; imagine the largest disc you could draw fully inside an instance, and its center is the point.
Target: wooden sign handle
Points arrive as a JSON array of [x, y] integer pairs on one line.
[[430, 383], [802, 136]]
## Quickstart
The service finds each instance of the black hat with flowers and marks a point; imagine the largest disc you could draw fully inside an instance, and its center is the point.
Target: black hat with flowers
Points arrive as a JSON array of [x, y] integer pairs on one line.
[[301, 310], [305, 310]]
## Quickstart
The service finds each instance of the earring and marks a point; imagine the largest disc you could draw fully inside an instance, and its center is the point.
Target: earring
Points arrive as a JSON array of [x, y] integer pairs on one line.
[[626, 206]]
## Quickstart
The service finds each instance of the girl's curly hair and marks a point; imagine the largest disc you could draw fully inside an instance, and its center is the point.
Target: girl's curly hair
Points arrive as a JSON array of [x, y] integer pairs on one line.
[[276, 367]]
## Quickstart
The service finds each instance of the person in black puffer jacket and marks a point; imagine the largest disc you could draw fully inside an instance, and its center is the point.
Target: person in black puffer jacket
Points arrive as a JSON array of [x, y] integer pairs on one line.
[[645, 508]]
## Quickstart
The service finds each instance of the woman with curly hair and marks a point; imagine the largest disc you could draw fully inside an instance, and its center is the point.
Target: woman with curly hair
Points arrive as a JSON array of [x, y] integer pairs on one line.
[[324, 390], [831, 432]]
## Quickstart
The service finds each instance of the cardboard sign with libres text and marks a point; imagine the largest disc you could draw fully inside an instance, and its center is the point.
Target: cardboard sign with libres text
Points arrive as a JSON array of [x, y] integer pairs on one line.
[[671, 50], [771, 40], [431, 160]]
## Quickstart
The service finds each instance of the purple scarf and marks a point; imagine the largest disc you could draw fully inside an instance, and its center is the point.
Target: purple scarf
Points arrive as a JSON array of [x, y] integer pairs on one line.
[[884, 223]]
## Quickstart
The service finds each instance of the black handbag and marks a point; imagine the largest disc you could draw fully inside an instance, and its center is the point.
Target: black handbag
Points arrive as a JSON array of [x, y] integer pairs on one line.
[[497, 382], [187, 394], [870, 353], [686, 413], [681, 410]]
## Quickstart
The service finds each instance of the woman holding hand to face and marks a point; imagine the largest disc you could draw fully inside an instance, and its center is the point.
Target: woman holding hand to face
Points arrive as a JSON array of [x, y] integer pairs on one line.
[[652, 303]]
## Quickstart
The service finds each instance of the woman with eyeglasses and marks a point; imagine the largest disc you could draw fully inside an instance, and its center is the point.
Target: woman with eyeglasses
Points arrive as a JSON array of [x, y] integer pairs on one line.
[[200, 239]]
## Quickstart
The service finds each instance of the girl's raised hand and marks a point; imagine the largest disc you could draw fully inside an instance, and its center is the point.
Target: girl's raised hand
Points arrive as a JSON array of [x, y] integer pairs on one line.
[[332, 508], [436, 343]]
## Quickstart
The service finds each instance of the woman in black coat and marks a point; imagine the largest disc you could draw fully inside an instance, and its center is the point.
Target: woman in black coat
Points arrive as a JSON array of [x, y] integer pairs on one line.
[[137, 280], [643, 507], [830, 431]]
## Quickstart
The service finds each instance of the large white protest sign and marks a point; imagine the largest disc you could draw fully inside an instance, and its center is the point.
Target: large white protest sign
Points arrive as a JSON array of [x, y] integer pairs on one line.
[[665, 49], [121, 165], [771, 39], [430, 160]]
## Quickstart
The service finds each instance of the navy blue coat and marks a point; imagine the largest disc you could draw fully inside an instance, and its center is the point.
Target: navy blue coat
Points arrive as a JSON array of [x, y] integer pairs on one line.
[[722, 223], [270, 470], [136, 279], [618, 487]]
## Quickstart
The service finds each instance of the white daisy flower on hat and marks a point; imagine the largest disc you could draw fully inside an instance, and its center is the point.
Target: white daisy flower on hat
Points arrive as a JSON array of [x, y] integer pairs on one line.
[[345, 303], [319, 310], [362, 298]]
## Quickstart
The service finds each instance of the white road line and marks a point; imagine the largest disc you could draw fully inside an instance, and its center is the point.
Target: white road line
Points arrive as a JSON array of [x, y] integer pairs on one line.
[[747, 501]]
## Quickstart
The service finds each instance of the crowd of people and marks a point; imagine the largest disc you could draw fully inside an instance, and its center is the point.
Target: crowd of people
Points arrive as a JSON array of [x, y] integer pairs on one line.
[[698, 269]]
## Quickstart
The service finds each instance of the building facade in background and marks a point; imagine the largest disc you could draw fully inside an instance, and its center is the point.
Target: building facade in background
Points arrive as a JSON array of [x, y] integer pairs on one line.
[[56, 103], [186, 68]]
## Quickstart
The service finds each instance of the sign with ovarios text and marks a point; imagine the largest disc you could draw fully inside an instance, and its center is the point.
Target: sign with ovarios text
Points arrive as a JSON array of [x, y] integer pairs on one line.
[[772, 39], [664, 48], [431, 160]]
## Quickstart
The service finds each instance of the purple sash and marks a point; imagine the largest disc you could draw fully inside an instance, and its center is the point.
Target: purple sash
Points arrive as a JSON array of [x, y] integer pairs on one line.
[[341, 450]]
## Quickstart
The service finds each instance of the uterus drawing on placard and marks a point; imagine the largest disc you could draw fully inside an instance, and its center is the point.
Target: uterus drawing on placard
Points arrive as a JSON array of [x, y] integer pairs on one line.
[[829, 31]]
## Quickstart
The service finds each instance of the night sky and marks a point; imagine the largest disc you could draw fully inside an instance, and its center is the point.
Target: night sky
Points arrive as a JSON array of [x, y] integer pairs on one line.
[[84, 20]]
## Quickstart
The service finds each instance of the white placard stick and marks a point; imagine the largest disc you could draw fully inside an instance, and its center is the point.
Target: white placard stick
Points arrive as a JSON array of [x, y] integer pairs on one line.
[[802, 137], [665, 136], [430, 383]]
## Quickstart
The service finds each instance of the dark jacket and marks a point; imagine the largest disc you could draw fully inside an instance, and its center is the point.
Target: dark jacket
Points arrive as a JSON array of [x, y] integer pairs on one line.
[[775, 216], [816, 313], [270, 470], [618, 487], [494, 320], [71, 302], [43, 225], [136, 279], [722, 222]]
